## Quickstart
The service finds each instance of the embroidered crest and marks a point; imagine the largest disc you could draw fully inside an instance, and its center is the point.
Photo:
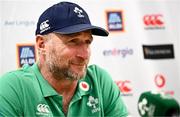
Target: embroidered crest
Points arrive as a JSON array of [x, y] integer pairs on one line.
[[79, 12], [93, 103]]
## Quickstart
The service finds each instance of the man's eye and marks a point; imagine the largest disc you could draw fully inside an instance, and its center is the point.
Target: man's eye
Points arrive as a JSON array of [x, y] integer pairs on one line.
[[77, 42], [88, 41], [73, 41]]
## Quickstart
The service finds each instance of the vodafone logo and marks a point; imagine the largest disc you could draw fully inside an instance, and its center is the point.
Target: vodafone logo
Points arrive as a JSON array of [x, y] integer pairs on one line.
[[84, 86], [159, 80]]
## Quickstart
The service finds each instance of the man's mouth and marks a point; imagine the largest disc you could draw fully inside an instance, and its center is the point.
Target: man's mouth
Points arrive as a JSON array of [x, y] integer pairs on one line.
[[79, 64]]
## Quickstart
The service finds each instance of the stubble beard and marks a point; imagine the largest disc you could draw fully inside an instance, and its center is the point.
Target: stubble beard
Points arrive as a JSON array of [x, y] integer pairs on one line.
[[62, 72]]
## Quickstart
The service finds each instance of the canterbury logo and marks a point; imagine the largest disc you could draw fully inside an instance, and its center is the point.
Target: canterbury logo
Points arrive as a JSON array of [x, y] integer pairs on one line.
[[124, 86], [44, 26], [43, 108], [153, 20]]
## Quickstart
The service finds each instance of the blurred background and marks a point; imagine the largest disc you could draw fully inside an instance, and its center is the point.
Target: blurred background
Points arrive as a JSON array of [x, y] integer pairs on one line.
[[141, 53]]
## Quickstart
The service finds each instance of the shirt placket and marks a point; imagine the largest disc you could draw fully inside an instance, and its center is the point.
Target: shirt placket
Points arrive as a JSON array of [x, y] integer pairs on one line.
[[56, 105]]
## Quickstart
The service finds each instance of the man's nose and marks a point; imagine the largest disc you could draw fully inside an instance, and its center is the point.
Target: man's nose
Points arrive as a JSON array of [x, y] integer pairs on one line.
[[83, 51]]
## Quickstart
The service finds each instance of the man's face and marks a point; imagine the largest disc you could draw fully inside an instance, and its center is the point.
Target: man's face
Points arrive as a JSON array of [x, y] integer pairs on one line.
[[67, 56]]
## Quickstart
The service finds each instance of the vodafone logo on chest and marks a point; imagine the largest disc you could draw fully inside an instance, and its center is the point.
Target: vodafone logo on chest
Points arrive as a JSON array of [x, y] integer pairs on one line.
[[160, 80], [84, 86]]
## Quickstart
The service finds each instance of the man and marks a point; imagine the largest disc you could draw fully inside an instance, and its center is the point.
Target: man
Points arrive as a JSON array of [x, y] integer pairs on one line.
[[61, 83]]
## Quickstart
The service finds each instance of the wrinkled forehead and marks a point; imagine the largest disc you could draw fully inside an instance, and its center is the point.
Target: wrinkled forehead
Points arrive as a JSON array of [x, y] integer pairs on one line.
[[85, 34]]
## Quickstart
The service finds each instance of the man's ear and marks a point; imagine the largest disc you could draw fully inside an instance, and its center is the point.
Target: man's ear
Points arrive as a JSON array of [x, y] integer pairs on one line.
[[40, 42]]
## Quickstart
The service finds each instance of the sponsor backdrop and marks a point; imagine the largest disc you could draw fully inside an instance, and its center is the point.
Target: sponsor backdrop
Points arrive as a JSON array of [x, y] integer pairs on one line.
[[141, 52]]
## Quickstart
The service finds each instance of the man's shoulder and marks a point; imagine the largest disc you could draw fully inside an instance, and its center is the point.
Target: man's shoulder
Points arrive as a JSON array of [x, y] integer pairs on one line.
[[17, 77], [12, 75], [95, 69], [98, 73]]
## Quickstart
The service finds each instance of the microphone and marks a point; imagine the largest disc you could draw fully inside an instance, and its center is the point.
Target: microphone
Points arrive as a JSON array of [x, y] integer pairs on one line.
[[151, 104]]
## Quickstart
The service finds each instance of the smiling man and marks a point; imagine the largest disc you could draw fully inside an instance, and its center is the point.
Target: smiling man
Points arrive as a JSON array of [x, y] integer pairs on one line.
[[61, 83]]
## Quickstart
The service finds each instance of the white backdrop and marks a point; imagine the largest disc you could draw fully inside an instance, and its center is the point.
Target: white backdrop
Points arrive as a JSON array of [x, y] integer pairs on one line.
[[121, 53]]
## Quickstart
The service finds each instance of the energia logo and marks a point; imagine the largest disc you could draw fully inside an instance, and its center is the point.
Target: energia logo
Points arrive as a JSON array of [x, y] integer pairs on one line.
[[124, 52]]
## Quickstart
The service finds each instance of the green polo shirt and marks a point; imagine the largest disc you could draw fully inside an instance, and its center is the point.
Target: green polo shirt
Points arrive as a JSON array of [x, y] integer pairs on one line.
[[25, 92]]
